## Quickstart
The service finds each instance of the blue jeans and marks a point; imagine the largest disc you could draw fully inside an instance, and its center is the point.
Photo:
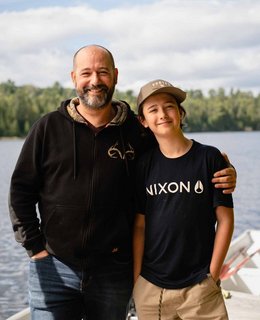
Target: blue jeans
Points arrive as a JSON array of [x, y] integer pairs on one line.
[[60, 292]]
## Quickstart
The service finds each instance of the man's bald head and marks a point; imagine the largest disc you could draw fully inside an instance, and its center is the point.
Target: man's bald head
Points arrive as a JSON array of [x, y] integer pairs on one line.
[[90, 48]]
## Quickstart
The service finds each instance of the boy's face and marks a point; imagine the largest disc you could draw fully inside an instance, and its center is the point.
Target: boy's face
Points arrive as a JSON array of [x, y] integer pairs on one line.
[[161, 114]]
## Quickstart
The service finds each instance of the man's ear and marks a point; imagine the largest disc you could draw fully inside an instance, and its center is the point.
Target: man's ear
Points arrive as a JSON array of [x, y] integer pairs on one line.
[[116, 75], [72, 75]]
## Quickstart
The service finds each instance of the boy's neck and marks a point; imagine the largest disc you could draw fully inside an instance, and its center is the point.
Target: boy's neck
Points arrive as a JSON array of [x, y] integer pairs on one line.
[[175, 148]]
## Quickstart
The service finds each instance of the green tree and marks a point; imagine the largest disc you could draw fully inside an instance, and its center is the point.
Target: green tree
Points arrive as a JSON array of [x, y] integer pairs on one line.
[[21, 106]]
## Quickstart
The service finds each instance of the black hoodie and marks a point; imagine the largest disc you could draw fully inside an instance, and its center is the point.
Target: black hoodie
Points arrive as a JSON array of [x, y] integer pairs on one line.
[[81, 182]]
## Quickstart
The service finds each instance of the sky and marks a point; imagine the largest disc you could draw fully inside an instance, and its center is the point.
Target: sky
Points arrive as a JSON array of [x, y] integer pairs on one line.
[[194, 44]]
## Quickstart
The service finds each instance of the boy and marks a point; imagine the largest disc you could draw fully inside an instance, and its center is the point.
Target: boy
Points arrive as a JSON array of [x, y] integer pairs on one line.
[[178, 253]]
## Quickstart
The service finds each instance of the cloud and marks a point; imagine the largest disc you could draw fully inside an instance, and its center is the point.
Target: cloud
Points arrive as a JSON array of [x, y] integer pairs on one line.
[[202, 44]]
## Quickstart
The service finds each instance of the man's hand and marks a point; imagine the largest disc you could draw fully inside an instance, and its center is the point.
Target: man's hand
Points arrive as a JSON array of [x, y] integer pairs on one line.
[[226, 178], [40, 255]]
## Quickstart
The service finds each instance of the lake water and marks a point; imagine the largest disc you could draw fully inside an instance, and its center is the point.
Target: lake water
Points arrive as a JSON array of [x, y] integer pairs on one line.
[[243, 149]]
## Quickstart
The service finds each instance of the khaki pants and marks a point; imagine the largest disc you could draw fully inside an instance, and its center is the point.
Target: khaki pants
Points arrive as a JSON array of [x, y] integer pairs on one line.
[[201, 301]]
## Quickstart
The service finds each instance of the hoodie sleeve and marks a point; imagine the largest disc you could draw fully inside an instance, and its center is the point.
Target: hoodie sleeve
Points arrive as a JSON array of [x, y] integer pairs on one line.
[[24, 193]]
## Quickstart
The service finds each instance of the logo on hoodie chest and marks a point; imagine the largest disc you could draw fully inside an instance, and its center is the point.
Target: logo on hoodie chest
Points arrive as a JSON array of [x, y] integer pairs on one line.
[[117, 151]]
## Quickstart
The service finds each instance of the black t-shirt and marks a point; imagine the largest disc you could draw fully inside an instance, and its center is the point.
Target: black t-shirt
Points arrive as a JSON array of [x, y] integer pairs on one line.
[[178, 200]]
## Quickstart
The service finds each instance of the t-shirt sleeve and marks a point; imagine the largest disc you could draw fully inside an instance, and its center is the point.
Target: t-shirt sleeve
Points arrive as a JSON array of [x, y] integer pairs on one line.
[[218, 163]]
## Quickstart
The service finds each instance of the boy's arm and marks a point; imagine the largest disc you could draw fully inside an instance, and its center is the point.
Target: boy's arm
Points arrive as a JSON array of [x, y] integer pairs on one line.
[[224, 231], [138, 244], [226, 178]]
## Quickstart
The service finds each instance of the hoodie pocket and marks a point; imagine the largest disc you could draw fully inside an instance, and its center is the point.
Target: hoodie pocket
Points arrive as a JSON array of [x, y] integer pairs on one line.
[[64, 231]]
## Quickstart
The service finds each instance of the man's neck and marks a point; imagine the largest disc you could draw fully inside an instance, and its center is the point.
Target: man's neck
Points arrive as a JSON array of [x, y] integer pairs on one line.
[[97, 117]]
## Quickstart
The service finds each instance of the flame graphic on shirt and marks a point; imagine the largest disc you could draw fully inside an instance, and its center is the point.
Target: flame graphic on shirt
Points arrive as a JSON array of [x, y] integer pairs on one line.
[[198, 187]]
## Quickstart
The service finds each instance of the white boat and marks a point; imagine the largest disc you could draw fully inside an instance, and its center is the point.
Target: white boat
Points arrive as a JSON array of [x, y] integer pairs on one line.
[[240, 280], [241, 277], [241, 270], [22, 315]]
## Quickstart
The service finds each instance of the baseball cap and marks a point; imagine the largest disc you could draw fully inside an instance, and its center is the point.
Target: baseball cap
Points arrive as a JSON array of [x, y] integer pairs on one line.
[[159, 86]]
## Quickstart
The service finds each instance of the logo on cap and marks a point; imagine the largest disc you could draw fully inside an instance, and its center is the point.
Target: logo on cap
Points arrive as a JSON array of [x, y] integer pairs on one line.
[[160, 84]]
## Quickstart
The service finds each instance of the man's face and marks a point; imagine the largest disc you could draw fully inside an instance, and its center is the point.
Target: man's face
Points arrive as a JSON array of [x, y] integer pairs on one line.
[[94, 77]]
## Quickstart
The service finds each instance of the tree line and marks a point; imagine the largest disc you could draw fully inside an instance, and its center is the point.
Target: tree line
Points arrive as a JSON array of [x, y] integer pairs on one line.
[[21, 106]]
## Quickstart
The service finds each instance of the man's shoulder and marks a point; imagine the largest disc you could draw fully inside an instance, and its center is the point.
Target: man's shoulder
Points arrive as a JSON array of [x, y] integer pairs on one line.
[[46, 121]]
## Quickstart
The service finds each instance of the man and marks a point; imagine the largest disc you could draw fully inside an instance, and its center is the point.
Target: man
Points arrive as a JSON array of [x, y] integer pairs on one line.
[[76, 165]]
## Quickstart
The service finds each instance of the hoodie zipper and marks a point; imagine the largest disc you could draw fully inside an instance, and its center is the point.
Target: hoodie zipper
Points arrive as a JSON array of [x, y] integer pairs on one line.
[[88, 217]]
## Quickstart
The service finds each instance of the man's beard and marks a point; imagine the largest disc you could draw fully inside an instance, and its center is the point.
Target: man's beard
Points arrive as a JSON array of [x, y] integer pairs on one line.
[[97, 101]]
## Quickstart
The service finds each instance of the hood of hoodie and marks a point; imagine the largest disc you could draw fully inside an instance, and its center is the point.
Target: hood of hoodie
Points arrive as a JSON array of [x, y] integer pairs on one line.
[[69, 109]]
